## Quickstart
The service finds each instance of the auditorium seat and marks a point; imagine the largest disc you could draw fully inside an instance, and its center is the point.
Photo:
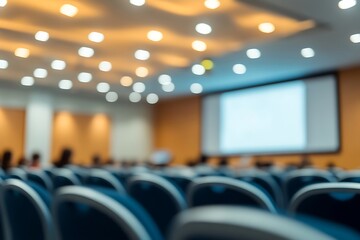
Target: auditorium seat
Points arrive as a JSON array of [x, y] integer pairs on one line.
[[64, 177], [102, 178], [338, 202], [158, 196], [80, 172], [297, 179], [226, 191], [82, 213], [25, 210], [183, 182], [350, 176], [41, 178], [17, 173], [240, 223], [264, 181]]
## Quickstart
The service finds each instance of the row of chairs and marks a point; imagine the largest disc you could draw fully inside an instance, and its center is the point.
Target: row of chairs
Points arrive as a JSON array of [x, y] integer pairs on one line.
[[78, 212]]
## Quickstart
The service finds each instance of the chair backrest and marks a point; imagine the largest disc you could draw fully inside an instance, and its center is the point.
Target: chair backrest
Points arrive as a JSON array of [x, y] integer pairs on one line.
[[298, 179], [226, 191], [17, 173], [182, 182], [84, 213], [158, 196], [25, 211], [337, 202], [239, 223], [41, 178], [102, 178], [264, 181], [350, 176], [64, 177]]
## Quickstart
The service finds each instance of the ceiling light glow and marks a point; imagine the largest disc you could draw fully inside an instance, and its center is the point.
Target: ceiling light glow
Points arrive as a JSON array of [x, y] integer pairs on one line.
[[137, 2], [135, 97], [84, 77], [355, 38], [103, 87], [212, 4], [346, 4], [307, 52], [199, 46], [3, 64], [68, 10], [239, 69], [111, 97], [27, 81], [86, 52], [105, 66], [126, 81], [40, 73], [155, 36], [196, 88], [198, 69], [96, 37], [58, 65], [253, 53], [42, 36], [3, 3], [164, 79], [152, 98], [203, 28], [266, 27], [65, 84], [142, 55], [22, 52], [142, 72], [168, 87], [139, 87]]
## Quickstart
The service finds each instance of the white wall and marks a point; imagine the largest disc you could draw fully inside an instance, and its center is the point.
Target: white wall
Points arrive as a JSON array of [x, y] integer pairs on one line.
[[131, 134]]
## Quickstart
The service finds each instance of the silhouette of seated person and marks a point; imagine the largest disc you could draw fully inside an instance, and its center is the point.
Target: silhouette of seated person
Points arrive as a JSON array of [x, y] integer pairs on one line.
[[6, 160], [35, 161], [65, 158]]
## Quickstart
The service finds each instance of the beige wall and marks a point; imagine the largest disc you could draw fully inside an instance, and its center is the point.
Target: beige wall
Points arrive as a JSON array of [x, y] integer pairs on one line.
[[12, 124], [86, 135], [177, 127]]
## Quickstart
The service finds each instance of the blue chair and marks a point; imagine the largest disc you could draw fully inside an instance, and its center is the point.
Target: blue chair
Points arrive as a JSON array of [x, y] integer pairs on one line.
[[80, 172], [158, 196], [239, 223], [226, 191], [298, 179], [40, 178], [25, 210], [264, 181], [350, 176], [337, 202], [83, 213], [183, 182], [102, 178], [17, 173], [64, 177]]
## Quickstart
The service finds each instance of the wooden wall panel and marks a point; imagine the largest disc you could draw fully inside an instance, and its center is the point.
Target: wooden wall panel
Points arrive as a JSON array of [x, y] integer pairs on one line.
[[177, 128], [86, 135], [12, 130]]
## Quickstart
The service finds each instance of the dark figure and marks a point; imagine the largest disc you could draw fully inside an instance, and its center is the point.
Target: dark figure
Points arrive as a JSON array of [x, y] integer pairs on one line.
[[35, 161], [6, 160], [223, 162], [305, 162], [65, 158], [203, 160], [22, 162], [96, 161]]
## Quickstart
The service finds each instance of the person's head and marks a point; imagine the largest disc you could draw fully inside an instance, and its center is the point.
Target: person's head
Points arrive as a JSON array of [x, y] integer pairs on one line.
[[65, 157], [223, 162], [22, 162], [6, 160], [96, 161], [203, 159], [35, 159]]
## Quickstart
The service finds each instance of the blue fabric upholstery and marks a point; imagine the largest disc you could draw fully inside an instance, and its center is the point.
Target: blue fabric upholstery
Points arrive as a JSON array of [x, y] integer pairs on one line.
[[41, 179]]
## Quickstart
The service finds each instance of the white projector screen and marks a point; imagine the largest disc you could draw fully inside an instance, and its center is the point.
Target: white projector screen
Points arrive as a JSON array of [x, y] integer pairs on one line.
[[285, 118]]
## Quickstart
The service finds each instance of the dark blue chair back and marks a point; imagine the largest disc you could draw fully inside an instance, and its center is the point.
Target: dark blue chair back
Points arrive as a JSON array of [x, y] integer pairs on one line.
[[226, 191], [158, 196], [17, 173], [84, 213], [102, 178], [64, 177], [40, 178]]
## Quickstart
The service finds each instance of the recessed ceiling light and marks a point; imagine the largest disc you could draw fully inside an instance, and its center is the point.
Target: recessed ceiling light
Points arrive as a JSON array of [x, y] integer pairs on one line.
[[152, 98], [203, 28], [253, 53], [105, 66], [65, 84], [68, 10], [22, 52], [96, 37], [86, 52], [198, 69], [137, 2], [84, 77], [346, 4], [155, 36], [142, 55], [141, 72], [199, 46], [40, 73], [135, 97], [139, 87], [196, 88], [307, 52], [111, 97], [103, 87], [266, 27], [27, 81], [168, 87], [164, 79], [3, 64], [58, 65], [3, 3], [239, 69], [355, 38], [207, 64], [42, 36], [126, 81], [212, 4]]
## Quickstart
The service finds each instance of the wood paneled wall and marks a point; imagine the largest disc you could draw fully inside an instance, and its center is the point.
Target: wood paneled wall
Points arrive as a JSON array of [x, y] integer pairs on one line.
[[86, 135], [177, 127], [12, 130]]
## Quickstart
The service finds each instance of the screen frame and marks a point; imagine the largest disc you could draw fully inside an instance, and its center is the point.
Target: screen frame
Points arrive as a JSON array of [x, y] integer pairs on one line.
[[335, 75]]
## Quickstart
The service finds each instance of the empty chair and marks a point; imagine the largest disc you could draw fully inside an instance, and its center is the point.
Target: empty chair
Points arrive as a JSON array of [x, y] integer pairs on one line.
[[25, 210], [17, 173], [264, 181], [81, 213], [239, 223], [226, 191], [81, 173], [298, 179], [102, 178], [183, 182], [64, 177], [40, 178], [337, 202], [350, 176], [158, 196]]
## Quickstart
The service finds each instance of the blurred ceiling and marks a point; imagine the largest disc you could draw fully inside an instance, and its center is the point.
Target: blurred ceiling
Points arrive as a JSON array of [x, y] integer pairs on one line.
[[319, 25]]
